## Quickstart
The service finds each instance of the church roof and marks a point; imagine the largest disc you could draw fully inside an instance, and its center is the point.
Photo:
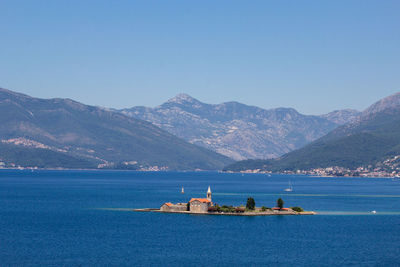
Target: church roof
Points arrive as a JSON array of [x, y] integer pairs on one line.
[[203, 200]]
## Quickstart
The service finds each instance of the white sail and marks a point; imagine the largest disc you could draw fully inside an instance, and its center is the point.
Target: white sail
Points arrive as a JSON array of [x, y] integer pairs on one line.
[[290, 188]]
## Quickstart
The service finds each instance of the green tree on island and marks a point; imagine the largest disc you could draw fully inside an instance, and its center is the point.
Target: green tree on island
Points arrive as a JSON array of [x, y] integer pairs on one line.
[[251, 204], [279, 203]]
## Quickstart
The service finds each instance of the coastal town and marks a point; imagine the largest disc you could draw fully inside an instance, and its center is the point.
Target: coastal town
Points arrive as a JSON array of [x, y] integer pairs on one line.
[[207, 206], [387, 168], [390, 167]]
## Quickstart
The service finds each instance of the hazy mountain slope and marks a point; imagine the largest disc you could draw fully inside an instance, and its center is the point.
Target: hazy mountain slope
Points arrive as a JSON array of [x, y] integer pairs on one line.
[[95, 134], [15, 156], [233, 129], [341, 117], [372, 137]]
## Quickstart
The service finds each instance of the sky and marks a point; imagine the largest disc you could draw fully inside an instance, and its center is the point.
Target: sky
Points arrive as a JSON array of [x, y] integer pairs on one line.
[[314, 56]]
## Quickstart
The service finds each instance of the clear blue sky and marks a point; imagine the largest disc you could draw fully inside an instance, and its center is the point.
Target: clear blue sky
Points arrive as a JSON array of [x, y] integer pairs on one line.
[[315, 56]]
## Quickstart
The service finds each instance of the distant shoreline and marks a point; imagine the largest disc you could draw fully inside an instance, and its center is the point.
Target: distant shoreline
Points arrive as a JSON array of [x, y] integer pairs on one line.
[[263, 213], [195, 171]]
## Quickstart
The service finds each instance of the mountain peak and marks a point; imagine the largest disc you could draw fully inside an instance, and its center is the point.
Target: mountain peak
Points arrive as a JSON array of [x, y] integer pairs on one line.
[[390, 103], [234, 129], [183, 98]]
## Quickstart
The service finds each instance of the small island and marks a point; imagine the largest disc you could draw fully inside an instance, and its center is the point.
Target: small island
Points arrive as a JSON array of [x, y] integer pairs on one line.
[[206, 206]]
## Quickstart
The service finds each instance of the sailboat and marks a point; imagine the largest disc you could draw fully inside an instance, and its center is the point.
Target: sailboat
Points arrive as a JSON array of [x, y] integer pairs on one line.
[[290, 188], [183, 190]]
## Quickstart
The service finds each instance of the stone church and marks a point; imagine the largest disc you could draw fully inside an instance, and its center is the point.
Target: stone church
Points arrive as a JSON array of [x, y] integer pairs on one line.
[[201, 205], [196, 205]]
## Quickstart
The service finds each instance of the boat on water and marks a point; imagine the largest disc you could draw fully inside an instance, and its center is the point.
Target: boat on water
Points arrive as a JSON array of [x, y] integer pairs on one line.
[[373, 212], [183, 190], [290, 188]]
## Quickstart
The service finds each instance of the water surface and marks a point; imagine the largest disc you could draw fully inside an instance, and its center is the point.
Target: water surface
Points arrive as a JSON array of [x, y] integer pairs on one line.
[[71, 218]]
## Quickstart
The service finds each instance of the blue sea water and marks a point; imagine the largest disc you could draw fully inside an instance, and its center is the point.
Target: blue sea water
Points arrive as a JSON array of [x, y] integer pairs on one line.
[[83, 218]]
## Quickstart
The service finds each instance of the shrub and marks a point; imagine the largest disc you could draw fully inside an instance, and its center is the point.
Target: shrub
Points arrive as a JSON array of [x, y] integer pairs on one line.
[[225, 208], [298, 209], [217, 208], [263, 208]]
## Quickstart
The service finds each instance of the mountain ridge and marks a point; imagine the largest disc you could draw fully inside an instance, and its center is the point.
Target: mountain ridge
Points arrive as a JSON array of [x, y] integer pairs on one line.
[[371, 138], [94, 135], [238, 130], [341, 116]]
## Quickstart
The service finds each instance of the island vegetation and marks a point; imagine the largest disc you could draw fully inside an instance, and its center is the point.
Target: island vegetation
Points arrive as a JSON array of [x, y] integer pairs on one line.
[[206, 206], [251, 208]]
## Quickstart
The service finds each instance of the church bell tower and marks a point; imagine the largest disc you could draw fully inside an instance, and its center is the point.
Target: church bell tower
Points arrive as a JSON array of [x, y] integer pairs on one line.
[[209, 193]]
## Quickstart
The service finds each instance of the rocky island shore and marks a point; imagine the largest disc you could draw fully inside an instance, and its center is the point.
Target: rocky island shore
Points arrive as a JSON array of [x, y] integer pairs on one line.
[[206, 206], [246, 213]]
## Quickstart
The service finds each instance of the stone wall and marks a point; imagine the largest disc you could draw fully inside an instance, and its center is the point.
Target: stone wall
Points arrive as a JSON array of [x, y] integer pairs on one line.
[[197, 206], [175, 207]]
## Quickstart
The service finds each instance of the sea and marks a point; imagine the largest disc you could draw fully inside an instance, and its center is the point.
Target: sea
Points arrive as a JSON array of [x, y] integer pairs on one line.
[[85, 218]]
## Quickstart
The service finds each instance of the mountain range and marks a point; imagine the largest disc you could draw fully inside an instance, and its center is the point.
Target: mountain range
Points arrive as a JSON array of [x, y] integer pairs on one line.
[[372, 137], [237, 130], [187, 134], [51, 133]]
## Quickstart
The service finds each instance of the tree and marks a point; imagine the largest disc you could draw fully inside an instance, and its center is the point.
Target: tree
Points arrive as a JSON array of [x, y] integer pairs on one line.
[[251, 204], [279, 203]]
